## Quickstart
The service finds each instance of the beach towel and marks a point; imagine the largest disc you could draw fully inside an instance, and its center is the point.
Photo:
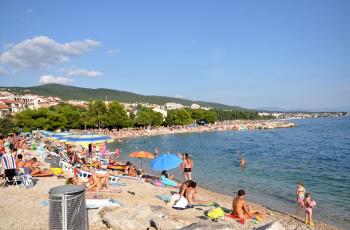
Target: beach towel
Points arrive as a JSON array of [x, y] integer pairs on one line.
[[232, 216], [165, 197], [115, 184], [210, 204], [99, 203], [157, 183]]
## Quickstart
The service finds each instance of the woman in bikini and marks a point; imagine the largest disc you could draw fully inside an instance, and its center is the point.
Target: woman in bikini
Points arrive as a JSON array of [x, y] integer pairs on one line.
[[187, 166]]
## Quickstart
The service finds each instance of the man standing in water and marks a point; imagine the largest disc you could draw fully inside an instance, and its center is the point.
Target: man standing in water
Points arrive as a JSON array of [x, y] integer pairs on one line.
[[240, 208], [156, 151], [243, 162], [187, 166]]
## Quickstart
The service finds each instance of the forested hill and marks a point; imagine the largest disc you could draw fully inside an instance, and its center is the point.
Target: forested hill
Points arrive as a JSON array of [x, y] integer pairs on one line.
[[77, 93]]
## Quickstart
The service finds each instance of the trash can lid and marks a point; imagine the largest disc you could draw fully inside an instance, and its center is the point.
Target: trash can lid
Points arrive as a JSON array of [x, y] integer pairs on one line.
[[66, 189]]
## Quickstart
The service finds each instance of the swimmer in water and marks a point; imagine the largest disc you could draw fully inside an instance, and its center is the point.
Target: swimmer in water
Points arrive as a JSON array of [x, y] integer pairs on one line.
[[243, 162]]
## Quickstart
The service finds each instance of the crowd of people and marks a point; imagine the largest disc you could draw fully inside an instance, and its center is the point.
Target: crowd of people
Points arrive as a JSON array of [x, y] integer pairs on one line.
[[16, 159], [235, 125], [96, 172]]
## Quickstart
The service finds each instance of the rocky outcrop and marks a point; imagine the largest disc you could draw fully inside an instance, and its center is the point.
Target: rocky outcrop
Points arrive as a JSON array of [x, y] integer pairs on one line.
[[143, 217]]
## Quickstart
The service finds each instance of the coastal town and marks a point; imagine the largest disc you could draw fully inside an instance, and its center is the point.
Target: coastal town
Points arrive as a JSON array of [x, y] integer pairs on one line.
[[11, 103]]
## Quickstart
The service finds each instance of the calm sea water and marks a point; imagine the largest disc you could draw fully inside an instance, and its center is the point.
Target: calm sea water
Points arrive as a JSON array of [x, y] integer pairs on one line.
[[316, 151]]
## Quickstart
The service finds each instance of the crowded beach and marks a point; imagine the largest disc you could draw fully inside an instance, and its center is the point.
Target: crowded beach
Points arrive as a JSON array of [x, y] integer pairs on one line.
[[121, 195], [230, 125]]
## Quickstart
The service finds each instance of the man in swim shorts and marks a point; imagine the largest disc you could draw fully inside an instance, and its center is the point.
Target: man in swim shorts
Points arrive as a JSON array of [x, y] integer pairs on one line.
[[240, 208]]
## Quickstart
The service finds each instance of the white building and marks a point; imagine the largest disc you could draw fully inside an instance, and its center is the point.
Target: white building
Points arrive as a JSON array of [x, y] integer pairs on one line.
[[195, 106], [173, 105], [162, 111]]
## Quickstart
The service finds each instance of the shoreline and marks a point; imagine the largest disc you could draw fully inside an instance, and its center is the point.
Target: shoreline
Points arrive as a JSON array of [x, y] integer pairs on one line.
[[327, 224], [236, 125], [133, 205], [207, 192]]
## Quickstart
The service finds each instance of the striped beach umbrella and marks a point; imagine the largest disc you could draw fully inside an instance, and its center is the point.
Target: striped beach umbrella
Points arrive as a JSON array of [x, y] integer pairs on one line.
[[87, 139]]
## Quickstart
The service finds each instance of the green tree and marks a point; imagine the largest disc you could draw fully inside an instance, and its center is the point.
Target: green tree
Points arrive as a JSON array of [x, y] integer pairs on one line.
[[201, 114], [235, 115], [178, 117], [72, 115], [97, 113], [6, 126], [55, 121], [210, 116], [116, 116], [147, 117]]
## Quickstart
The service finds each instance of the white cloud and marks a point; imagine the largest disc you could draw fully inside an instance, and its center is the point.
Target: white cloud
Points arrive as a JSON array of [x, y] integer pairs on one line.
[[84, 73], [42, 52], [113, 52], [48, 79]]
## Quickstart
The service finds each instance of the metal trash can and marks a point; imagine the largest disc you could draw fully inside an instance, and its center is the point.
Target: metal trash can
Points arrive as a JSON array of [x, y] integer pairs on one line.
[[67, 208]]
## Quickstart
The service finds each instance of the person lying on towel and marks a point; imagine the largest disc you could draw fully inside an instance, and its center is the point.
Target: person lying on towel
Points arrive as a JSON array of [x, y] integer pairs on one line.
[[30, 167]]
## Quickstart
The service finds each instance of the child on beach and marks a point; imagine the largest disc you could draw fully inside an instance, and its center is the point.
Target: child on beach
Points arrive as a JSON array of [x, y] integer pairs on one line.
[[309, 204], [300, 193]]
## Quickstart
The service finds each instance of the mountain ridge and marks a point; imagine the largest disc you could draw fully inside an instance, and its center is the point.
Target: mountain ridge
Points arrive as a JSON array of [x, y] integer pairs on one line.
[[66, 92]]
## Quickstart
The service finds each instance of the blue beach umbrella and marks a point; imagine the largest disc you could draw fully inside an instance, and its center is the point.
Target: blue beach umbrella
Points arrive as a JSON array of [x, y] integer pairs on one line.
[[165, 162]]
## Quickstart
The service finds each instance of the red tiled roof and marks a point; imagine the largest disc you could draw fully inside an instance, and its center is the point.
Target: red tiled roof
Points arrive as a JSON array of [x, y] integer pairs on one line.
[[3, 106], [8, 101]]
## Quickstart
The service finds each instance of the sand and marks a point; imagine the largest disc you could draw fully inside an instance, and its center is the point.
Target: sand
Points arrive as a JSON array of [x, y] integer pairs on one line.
[[24, 208]]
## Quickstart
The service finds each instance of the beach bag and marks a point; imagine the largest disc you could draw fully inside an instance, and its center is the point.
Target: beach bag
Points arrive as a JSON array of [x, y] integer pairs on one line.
[[216, 213]]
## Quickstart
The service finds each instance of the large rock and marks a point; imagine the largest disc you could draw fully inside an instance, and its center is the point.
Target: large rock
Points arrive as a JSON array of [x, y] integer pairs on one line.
[[142, 217], [95, 220]]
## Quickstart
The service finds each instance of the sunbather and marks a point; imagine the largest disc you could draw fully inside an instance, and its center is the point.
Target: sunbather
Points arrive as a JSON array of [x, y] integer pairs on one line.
[[191, 195], [96, 182], [19, 161], [164, 178], [241, 210], [175, 197], [130, 169], [30, 168]]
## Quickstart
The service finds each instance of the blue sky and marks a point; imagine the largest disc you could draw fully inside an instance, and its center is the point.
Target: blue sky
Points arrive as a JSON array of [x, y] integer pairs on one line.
[[290, 54]]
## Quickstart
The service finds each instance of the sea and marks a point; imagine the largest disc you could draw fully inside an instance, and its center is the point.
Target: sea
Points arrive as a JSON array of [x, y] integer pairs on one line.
[[316, 152]]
